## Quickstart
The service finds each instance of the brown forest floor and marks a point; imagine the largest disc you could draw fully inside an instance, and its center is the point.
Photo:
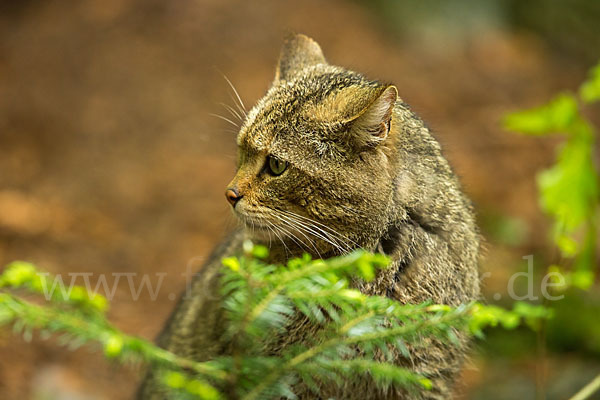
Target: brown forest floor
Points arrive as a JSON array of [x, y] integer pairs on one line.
[[111, 162]]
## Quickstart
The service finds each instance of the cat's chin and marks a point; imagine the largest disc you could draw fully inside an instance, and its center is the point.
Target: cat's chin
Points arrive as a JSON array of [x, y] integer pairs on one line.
[[259, 233]]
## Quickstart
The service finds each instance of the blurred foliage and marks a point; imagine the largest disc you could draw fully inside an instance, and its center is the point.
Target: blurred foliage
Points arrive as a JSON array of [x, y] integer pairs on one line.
[[569, 192], [590, 90], [531, 315], [504, 229], [576, 326], [573, 328], [570, 189], [359, 334]]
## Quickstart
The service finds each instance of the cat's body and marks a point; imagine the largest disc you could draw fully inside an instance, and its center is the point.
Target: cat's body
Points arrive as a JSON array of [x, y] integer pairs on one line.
[[330, 161]]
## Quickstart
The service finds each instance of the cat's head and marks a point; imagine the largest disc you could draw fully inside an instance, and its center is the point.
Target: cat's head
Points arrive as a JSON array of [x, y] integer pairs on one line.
[[315, 156]]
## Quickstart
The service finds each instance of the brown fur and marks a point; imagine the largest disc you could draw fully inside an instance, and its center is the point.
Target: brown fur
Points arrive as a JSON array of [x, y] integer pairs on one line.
[[362, 171]]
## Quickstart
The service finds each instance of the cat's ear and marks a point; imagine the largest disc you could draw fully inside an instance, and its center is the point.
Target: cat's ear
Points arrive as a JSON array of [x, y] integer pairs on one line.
[[298, 52], [372, 125]]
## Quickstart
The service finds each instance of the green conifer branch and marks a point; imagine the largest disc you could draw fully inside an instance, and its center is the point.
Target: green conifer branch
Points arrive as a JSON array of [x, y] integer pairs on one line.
[[355, 329]]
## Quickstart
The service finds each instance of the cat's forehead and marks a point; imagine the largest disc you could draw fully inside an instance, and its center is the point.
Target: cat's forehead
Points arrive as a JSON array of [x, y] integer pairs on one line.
[[302, 107]]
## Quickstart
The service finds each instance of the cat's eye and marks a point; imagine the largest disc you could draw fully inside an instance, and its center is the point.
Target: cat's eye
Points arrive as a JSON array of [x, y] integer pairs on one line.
[[275, 166]]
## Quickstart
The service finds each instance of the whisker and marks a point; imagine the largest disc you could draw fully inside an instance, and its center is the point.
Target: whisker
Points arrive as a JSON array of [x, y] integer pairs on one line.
[[232, 112], [225, 119], [343, 238], [304, 228], [293, 237], [329, 232], [290, 233], [241, 103], [273, 228], [315, 231]]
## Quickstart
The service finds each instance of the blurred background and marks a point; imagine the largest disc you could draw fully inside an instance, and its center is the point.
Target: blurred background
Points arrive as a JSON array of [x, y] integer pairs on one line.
[[111, 161]]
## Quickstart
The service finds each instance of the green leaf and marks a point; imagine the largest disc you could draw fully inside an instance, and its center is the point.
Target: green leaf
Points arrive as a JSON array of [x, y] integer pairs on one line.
[[175, 380], [17, 274], [232, 263], [532, 314], [260, 252], [590, 89], [483, 316], [582, 279], [113, 346], [556, 116], [426, 383], [202, 389], [367, 272]]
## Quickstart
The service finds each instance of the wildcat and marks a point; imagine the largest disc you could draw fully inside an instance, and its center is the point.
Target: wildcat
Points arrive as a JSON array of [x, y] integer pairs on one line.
[[330, 161]]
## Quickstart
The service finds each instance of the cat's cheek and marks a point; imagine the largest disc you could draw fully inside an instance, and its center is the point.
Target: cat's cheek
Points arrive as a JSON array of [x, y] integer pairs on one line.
[[302, 196]]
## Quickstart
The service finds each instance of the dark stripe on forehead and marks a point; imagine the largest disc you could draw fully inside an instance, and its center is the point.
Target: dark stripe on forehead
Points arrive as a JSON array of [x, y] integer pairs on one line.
[[282, 106], [315, 88]]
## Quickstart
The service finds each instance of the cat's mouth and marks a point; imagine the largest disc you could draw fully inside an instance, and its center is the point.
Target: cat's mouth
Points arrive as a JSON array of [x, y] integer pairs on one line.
[[266, 228], [294, 229]]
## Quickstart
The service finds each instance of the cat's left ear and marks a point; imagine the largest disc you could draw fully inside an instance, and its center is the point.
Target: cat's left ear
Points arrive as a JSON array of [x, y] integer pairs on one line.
[[298, 52], [373, 124]]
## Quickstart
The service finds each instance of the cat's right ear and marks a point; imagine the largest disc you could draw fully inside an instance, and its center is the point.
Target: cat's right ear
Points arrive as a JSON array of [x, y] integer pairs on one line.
[[372, 125], [298, 52]]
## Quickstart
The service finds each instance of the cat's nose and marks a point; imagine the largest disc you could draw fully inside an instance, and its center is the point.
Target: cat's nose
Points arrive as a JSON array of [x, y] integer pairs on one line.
[[233, 196]]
